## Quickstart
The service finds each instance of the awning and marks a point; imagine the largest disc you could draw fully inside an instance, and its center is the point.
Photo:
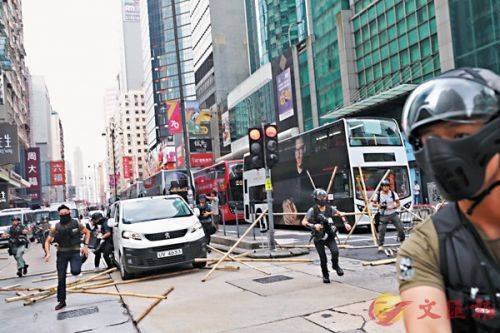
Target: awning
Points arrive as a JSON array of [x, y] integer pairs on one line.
[[383, 97], [13, 179]]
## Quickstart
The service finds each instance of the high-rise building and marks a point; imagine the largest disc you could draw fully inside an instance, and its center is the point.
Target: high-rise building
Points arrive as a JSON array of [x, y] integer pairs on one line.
[[132, 73], [110, 103], [78, 173], [166, 38]]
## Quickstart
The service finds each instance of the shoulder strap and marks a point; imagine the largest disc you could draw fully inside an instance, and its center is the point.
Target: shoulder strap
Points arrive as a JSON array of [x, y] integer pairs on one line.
[[393, 195]]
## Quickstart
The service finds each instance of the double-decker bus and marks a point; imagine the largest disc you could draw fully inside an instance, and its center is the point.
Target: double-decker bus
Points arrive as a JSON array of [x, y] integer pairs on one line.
[[169, 182], [227, 179], [135, 190], [372, 144]]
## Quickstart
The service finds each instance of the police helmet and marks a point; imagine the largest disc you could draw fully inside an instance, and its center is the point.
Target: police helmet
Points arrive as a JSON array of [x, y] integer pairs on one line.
[[97, 216], [385, 182]]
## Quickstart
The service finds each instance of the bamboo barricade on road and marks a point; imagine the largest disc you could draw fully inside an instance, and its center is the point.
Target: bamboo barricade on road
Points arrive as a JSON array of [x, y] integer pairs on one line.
[[234, 245], [152, 306], [112, 293], [379, 262], [35, 274], [240, 261], [297, 260], [225, 268]]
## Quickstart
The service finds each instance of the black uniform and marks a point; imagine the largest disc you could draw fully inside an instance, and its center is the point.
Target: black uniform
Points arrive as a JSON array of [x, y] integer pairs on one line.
[[18, 242], [69, 237], [326, 237], [104, 247], [206, 221]]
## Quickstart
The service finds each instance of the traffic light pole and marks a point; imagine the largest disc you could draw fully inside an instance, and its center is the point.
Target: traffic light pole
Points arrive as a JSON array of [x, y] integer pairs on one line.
[[269, 197]]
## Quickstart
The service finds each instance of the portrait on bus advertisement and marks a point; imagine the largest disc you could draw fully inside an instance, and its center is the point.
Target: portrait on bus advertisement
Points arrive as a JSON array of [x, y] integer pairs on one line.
[[307, 162]]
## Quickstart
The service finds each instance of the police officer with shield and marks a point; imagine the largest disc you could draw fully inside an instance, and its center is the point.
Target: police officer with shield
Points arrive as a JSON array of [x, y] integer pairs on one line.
[[67, 233], [320, 219], [450, 265]]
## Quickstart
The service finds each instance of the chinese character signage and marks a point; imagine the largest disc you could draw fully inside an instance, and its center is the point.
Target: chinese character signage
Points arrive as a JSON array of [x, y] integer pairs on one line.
[[174, 117], [9, 148], [57, 173], [200, 145], [33, 174], [4, 195], [200, 160], [131, 11], [128, 169]]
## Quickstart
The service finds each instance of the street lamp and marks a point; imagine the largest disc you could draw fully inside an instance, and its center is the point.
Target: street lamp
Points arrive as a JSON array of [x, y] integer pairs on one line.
[[112, 133], [294, 24]]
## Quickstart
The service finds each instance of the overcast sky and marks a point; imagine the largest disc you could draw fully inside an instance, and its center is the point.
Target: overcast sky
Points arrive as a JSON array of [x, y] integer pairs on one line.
[[74, 44]]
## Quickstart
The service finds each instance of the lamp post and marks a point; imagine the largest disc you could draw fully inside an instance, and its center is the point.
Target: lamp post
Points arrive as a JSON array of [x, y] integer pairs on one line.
[[112, 135]]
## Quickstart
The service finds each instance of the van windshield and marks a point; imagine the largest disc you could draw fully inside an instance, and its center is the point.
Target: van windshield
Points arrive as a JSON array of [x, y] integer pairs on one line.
[[154, 209], [6, 220]]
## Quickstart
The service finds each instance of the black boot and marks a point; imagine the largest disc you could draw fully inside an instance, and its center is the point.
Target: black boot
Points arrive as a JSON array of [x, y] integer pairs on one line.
[[20, 272], [339, 270], [326, 279], [25, 269], [60, 305]]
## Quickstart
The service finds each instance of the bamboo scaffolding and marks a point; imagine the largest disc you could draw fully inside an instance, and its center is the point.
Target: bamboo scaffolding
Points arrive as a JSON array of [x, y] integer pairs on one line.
[[234, 245], [240, 261], [152, 306]]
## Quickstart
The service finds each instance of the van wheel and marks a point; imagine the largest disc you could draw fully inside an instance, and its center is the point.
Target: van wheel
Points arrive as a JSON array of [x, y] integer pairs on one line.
[[199, 264], [123, 272]]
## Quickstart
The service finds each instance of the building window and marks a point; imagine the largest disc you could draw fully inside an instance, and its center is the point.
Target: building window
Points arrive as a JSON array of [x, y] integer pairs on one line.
[[139, 150], [139, 158], [138, 135], [143, 111], [137, 119], [126, 112], [137, 127], [136, 104], [128, 127], [127, 120], [138, 143], [136, 111], [130, 151]]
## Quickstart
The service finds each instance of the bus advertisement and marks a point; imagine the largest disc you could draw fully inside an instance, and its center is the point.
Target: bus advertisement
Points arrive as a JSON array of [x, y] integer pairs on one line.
[[227, 179], [309, 159]]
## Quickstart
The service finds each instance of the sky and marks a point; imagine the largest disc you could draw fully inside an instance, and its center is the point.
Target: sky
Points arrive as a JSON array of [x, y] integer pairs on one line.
[[75, 45]]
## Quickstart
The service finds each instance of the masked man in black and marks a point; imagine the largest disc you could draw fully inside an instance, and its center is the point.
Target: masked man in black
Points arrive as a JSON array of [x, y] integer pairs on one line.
[[104, 240], [68, 235], [319, 219], [18, 242]]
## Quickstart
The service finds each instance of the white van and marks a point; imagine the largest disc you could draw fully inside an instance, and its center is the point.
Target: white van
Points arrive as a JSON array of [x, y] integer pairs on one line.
[[155, 232]]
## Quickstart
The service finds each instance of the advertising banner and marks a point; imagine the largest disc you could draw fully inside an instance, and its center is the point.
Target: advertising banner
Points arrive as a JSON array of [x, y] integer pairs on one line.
[[200, 160], [33, 173], [198, 121], [226, 129], [4, 196], [9, 146], [284, 91], [131, 10], [128, 168], [200, 145], [174, 117], [57, 173]]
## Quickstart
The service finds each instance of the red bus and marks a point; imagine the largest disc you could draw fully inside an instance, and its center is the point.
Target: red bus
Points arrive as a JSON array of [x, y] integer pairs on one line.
[[227, 178]]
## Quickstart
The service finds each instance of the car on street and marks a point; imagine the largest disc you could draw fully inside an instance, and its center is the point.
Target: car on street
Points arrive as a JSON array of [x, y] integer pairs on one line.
[[151, 233]]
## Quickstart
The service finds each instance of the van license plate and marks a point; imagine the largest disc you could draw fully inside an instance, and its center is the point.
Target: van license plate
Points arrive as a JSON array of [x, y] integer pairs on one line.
[[169, 253]]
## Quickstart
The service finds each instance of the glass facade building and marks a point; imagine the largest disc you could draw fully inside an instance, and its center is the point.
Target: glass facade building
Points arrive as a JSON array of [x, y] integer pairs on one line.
[[163, 62], [395, 42], [475, 29]]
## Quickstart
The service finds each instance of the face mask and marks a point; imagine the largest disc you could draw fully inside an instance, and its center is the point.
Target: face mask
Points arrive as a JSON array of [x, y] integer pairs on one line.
[[65, 218]]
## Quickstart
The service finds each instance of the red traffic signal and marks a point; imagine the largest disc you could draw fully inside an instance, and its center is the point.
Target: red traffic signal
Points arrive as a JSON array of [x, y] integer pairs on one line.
[[271, 142], [256, 148]]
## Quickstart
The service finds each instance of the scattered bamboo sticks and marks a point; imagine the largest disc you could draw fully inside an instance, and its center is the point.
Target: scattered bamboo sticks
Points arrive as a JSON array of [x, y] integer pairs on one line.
[[240, 261], [379, 262], [152, 306]]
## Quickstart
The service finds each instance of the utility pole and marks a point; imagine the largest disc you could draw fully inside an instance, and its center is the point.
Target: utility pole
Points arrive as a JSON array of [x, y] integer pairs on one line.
[[187, 153], [269, 199]]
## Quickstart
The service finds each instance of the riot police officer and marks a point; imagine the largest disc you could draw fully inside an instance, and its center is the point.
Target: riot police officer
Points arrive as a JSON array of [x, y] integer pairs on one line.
[[320, 219], [67, 233], [18, 242], [450, 266], [104, 244]]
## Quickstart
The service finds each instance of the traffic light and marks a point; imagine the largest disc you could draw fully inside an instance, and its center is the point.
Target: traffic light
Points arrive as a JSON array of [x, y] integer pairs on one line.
[[255, 140], [271, 142]]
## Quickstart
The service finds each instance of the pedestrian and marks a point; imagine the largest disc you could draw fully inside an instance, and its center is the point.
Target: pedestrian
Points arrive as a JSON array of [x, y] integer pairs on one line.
[[416, 194], [214, 204], [206, 218], [104, 240], [387, 202], [452, 260], [18, 242], [319, 219], [67, 233]]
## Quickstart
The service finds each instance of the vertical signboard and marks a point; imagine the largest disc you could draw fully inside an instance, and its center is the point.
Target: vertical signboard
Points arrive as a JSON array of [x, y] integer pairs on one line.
[[33, 173], [198, 121], [174, 117], [284, 91], [9, 146], [128, 169], [226, 129], [4, 195], [131, 10], [57, 173]]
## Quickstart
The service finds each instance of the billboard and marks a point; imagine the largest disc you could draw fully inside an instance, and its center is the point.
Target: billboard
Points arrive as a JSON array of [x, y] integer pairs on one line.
[[32, 169], [200, 145], [198, 121], [9, 146], [226, 129], [174, 117], [57, 173], [284, 91], [200, 160], [128, 168], [131, 10]]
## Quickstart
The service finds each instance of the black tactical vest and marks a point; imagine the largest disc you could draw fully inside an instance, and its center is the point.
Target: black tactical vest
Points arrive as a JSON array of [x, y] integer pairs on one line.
[[68, 235], [327, 228], [17, 237], [471, 276]]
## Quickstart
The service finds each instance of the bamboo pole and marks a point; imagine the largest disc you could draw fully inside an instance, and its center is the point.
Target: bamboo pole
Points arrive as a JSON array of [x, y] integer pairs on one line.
[[412, 213], [244, 254], [331, 180], [7, 288], [301, 260], [82, 281], [146, 278], [294, 246], [225, 268], [239, 261], [20, 298], [111, 293], [234, 245], [310, 178], [152, 306], [379, 262], [348, 246]]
